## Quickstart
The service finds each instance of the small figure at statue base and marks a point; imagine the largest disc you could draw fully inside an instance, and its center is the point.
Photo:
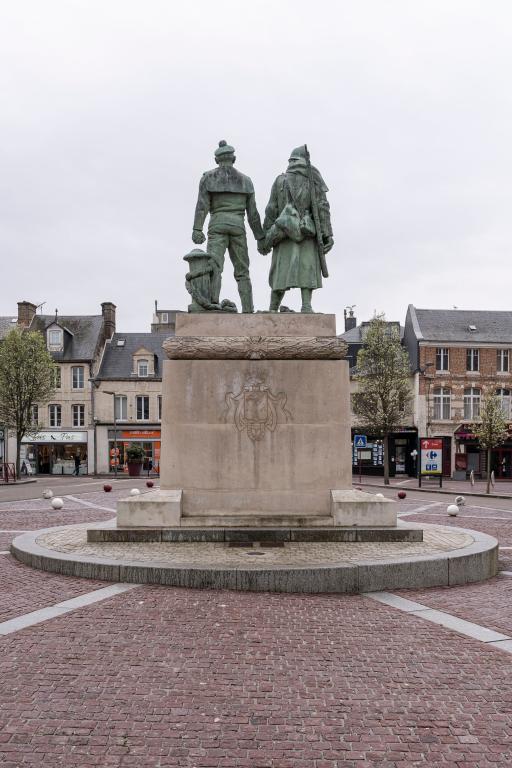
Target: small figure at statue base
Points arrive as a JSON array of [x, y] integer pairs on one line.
[[198, 283]]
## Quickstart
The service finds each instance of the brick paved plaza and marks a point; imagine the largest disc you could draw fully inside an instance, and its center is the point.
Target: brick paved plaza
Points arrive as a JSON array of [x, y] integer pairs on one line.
[[158, 676]]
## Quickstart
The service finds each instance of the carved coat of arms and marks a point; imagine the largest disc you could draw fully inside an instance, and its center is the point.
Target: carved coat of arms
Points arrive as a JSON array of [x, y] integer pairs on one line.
[[256, 409]]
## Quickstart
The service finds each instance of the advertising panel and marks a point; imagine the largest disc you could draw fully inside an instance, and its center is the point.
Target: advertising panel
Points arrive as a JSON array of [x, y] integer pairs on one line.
[[431, 452]]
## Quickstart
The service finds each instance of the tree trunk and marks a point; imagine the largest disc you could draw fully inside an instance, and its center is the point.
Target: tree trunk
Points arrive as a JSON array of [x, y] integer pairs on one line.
[[386, 459], [488, 470]]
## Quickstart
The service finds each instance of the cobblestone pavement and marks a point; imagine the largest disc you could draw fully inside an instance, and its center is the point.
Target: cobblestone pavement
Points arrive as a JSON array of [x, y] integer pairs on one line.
[[159, 677], [166, 677], [24, 589], [73, 540]]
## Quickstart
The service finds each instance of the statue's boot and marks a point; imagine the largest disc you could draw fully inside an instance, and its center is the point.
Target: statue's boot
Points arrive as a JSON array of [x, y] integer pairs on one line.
[[245, 291], [276, 298], [306, 294]]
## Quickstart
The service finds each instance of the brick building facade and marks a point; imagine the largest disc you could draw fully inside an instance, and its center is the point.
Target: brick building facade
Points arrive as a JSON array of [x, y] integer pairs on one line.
[[458, 356]]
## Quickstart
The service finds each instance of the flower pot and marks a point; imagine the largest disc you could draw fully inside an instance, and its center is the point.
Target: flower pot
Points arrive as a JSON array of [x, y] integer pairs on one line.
[[134, 468]]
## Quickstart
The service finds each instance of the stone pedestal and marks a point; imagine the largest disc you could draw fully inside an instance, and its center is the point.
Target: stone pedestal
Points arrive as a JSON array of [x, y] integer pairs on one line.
[[256, 425], [264, 434]]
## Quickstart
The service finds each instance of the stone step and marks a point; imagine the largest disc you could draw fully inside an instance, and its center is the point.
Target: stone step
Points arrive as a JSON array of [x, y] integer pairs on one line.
[[266, 536], [252, 520]]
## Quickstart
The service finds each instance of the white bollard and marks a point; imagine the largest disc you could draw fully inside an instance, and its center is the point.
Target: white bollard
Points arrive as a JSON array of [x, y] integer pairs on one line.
[[134, 492], [57, 503], [452, 510], [47, 493], [379, 496]]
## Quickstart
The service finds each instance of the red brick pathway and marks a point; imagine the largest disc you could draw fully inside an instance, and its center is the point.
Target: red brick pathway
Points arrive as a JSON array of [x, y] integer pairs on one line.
[[166, 677], [23, 589]]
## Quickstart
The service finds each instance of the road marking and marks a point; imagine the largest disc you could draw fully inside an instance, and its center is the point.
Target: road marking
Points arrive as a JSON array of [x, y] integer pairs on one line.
[[463, 517], [15, 530], [423, 508], [44, 614], [463, 627], [89, 504]]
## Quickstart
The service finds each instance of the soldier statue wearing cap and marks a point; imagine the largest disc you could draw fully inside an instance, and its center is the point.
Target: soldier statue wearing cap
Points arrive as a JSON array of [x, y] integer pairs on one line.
[[298, 230], [226, 194]]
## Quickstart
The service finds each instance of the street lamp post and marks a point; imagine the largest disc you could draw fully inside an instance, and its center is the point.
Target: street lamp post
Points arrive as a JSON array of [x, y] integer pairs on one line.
[[414, 454], [115, 431]]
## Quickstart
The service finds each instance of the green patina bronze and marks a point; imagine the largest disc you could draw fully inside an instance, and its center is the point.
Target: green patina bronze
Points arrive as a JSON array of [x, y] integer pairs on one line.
[[298, 230], [227, 195]]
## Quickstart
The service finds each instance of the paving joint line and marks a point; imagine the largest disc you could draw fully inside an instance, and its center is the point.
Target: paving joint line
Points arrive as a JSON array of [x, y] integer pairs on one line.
[[59, 609], [444, 619], [89, 504]]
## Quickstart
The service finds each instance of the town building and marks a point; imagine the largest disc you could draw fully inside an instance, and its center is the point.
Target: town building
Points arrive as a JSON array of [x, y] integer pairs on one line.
[[403, 441], [128, 398], [458, 356], [65, 426]]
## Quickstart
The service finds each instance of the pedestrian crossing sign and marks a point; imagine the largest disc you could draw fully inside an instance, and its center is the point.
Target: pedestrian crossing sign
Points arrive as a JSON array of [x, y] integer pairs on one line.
[[359, 441]]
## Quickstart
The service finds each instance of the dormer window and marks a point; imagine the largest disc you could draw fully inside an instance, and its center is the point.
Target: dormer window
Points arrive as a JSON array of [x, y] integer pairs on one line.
[[164, 317], [55, 340], [143, 363]]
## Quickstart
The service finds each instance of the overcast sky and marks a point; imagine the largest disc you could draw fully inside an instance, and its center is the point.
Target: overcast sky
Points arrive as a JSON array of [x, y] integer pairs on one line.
[[111, 110]]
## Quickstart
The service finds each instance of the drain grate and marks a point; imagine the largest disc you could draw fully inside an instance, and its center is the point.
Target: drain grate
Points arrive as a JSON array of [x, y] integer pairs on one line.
[[255, 552]]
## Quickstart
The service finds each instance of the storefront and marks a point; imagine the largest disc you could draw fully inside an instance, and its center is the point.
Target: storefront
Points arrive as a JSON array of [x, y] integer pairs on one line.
[[2, 445], [53, 453], [148, 439], [370, 461], [470, 457]]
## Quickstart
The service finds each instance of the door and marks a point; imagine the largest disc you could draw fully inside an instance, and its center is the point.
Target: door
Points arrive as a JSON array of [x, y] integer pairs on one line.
[[502, 463], [400, 456]]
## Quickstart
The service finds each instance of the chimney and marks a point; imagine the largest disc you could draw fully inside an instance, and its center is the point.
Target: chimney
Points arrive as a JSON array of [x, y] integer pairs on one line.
[[350, 320], [108, 310], [26, 312]]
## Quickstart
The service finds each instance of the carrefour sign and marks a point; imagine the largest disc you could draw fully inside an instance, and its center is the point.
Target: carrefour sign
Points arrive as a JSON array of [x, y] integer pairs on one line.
[[431, 450]]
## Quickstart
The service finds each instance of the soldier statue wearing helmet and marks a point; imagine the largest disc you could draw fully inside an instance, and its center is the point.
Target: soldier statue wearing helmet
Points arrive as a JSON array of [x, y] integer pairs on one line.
[[298, 230], [226, 194]]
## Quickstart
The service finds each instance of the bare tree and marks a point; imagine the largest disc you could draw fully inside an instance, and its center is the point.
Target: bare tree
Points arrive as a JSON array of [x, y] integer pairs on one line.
[[492, 429], [384, 391], [26, 378]]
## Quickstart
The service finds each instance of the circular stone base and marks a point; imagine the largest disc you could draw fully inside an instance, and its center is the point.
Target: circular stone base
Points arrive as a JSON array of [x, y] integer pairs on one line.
[[446, 556]]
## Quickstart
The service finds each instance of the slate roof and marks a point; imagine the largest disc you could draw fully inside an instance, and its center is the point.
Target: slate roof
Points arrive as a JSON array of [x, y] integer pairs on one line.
[[117, 361], [86, 332], [453, 325], [354, 335], [6, 325]]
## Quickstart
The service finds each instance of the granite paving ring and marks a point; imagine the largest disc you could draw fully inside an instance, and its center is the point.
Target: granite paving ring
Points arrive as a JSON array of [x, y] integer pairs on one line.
[[446, 556]]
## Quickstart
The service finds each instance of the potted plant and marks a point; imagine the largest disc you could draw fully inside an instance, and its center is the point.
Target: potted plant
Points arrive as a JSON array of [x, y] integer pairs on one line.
[[135, 456]]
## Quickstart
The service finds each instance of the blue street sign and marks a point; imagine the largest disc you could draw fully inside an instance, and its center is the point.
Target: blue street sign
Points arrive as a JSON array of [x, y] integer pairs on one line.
[[359, 441]]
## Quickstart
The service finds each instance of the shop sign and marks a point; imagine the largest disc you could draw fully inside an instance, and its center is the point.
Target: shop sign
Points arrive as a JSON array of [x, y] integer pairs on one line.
[[56, 437], [135, 434], [431, 450]]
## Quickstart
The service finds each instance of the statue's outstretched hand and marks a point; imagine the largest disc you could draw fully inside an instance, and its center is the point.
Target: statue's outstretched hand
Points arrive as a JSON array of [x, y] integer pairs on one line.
[[198, 236], [328, 244]]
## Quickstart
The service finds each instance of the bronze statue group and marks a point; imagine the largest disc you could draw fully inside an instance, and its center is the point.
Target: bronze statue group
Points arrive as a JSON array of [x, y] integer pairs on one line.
[[296, 229]]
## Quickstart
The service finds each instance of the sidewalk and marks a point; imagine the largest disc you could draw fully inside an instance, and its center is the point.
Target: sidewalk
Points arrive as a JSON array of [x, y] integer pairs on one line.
[[501, 490]]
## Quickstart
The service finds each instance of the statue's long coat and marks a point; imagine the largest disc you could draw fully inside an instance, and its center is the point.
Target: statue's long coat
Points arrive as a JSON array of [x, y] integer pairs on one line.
[[297, 265]]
